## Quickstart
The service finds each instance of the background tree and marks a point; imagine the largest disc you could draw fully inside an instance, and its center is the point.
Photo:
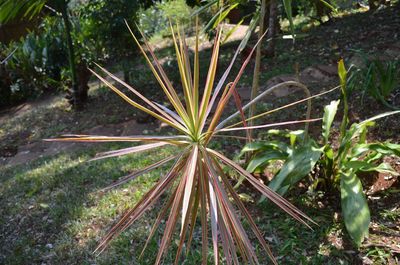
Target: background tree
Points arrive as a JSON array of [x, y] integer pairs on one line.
[[105, 22]]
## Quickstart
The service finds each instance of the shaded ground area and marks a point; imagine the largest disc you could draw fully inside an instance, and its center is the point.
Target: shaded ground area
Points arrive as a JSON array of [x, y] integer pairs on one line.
[[53, 213]]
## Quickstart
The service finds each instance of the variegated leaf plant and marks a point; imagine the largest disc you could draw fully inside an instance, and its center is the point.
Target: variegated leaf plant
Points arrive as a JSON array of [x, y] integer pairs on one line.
[[200, 189]]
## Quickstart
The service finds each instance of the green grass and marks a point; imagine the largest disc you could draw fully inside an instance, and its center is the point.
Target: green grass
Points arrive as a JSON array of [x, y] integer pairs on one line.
[[52, 212], [56, 201]]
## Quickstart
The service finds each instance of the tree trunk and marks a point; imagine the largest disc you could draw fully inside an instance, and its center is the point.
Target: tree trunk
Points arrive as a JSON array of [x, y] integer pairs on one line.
[[272, 28], [77, 97], [126, 70], [83, 81], [5, 87]]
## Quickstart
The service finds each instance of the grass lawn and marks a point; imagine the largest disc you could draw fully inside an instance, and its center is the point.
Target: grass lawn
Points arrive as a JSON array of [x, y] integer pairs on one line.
[[54, 212]]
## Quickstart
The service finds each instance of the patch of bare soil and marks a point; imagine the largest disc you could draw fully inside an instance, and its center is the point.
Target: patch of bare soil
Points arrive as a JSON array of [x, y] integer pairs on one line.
[[23, 128], [35, 150]]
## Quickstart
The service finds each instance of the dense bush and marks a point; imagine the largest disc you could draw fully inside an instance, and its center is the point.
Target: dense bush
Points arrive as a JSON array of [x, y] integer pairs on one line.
[[104, 22], [34, 64], [40, 61]]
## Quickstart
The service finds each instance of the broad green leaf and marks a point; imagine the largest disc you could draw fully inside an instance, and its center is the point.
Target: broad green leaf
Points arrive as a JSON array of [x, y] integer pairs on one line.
[[363, 132], [251, 147], [329, 115], [356, 129], [292, 135], [365, 166], [10, 9], [355, 209], [297, 166], [372, 157], [263, 146], [382, 148], [263, 158]]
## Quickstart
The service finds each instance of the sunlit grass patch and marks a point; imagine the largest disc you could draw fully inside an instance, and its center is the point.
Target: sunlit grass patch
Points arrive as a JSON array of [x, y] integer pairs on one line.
[[55, 202]]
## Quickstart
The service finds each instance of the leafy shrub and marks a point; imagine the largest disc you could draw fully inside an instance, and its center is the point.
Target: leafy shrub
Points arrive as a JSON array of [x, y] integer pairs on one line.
[[340, 167], [34, 63], [103, 22], [378, 80], [299, 156]]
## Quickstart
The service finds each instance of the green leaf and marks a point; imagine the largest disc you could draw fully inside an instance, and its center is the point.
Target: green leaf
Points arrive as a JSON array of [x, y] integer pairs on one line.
[[380, 116], [263, 146], [355, 209], [224, 14], [203, 8], [366, 167], [297, 166], [327, 161], [329, 152], [263, 158], [254, 146], [357, 128], [342, 74], [329, 115], [252, 26], [288, 9], [330, 6], [294, 135], [382, 148], [231, 31], [10, 9]]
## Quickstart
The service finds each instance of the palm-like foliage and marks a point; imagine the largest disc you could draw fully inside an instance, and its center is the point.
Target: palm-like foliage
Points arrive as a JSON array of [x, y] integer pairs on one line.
[[10, 9], [199, 188]]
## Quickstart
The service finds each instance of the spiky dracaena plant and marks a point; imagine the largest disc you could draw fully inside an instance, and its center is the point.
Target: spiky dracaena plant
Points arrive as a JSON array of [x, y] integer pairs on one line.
[[200, 189]]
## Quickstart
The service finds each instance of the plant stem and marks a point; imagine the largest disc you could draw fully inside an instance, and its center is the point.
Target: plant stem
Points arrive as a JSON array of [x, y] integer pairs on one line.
[[272, 28], [345, 119]]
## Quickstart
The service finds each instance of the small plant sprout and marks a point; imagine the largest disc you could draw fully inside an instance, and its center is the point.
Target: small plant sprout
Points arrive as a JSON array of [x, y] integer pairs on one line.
[[196, 183]]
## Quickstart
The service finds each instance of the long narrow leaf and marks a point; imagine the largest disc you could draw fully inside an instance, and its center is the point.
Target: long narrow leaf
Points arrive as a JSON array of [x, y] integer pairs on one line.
[[268, 125], [270, 194], [138, 173], [129, 150]]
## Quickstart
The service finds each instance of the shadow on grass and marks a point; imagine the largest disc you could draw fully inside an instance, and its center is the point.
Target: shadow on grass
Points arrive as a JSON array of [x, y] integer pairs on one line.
[[52, 211]]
